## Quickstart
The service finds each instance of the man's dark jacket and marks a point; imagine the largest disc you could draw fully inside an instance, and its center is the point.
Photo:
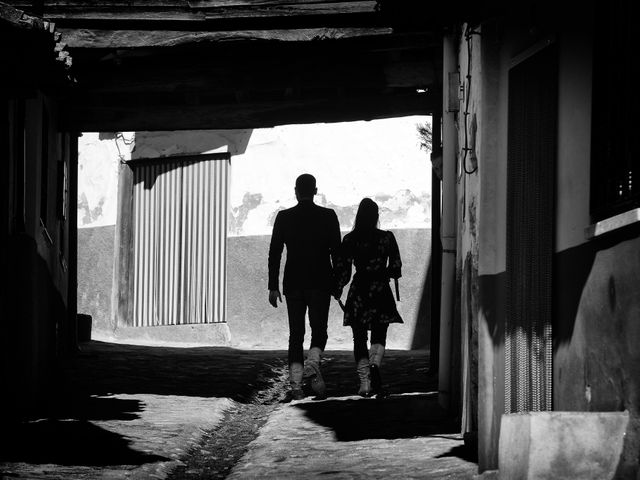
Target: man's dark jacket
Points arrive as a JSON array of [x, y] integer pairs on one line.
[[312, 236]]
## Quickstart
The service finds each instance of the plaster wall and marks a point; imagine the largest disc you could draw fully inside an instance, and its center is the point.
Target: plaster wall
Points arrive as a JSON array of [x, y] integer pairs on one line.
[[482, 236], [484, 202], [469, 122], [574, 136], [596, 331]]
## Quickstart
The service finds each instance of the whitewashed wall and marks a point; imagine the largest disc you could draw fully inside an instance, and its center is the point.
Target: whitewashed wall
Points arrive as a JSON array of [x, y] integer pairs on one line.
[[379, 159]]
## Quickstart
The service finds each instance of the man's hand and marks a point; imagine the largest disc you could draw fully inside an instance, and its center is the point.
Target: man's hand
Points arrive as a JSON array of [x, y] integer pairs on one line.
[[274, 296]]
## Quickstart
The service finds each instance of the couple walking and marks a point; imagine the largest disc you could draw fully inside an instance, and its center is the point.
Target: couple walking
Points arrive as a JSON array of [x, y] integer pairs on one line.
[[318, 266]]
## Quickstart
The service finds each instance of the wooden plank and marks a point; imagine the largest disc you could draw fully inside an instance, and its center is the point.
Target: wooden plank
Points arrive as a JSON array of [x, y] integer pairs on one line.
[[52, 5], [65, 17], [191, 75], [193, 4], [267, 3], [289, 10], [410, 74], [218, 80], [89, 117], [147, 9], [86, 38]]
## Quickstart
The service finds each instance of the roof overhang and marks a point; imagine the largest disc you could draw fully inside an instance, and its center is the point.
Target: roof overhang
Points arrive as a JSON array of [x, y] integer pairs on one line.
[[202, 64]]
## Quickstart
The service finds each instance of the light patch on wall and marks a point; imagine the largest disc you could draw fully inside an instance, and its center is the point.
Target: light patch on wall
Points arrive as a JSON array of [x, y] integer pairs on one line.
[[380, 159], [99, 156]]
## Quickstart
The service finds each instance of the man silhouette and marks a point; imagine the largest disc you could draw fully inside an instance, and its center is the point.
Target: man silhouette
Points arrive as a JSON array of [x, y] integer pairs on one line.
[[312, 236]]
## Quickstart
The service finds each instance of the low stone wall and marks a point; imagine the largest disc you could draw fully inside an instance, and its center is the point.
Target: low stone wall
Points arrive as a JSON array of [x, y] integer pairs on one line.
[[251, 321]]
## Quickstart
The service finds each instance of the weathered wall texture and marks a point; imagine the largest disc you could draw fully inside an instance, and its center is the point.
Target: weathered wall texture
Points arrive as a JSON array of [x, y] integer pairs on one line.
[[99, 157], [469, 121], [597, 334], [596, 299], [596, 329], [95, 275], [380, 159]]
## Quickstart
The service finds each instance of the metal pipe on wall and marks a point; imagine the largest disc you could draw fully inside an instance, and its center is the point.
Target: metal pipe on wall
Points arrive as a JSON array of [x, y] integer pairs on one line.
[[448, 226], [436, 246]]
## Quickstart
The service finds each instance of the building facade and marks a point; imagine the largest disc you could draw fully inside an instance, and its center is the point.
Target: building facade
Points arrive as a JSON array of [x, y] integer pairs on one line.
[[38, 222], [545, 311]]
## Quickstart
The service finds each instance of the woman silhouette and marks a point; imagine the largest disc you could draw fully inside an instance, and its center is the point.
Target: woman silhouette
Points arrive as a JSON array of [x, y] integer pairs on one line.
[[370, 304]]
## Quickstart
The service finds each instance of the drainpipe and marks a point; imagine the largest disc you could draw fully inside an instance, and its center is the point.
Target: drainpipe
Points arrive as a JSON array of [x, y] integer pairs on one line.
[[448, 226]]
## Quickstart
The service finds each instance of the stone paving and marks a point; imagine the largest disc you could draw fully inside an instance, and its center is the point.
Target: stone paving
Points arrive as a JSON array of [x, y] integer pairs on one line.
[[140, 412], [352, 438]]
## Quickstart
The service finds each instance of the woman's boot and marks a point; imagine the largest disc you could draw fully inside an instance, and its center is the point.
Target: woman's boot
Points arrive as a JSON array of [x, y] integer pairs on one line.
[[364, 376], [375, 360], [312, 373], [295, 381]]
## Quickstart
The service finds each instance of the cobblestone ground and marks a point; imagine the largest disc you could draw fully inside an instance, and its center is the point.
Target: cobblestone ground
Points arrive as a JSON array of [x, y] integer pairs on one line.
[[142, 412]]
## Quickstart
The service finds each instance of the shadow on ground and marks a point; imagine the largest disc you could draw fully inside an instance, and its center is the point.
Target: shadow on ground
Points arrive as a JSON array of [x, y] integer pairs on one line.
[[391, 418], [402, 372], [106, 368], [60, 431], [69, 442], [465, 452], [402, 416]]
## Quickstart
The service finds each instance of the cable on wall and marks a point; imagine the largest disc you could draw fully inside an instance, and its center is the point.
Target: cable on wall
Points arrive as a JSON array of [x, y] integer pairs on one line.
[[468, 34]]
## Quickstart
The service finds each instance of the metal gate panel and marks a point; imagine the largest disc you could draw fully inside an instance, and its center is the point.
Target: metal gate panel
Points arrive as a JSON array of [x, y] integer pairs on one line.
[[532, 145], [180, 236]]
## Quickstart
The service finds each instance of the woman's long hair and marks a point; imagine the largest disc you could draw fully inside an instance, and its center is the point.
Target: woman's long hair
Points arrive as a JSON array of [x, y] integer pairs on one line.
[[366, 218]]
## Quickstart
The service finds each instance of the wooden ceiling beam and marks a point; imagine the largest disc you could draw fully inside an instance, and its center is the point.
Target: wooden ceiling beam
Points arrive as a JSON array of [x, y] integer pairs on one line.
[[183, 116], [350, 71], [122, 39], [203, 10]]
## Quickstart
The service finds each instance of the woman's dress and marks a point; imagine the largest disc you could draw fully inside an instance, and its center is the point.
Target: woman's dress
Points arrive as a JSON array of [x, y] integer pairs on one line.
[[377, 259]]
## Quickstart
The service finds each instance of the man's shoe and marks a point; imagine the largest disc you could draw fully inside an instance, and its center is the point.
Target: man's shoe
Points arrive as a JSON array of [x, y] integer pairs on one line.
[[312, 372]]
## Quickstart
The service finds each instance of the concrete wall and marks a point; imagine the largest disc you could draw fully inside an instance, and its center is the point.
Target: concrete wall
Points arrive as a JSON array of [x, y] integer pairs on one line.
[[95, 275], [254, 323]]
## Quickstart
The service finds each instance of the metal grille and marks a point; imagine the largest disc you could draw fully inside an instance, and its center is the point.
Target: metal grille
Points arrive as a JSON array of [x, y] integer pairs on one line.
[[532, 144], [180, 236]]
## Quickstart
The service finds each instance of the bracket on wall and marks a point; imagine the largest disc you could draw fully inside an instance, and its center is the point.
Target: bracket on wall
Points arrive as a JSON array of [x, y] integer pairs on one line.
[[453, 92]]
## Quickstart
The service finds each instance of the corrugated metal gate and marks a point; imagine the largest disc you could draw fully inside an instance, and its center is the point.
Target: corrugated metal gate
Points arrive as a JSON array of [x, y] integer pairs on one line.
[[179, 239], [532, 140]]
